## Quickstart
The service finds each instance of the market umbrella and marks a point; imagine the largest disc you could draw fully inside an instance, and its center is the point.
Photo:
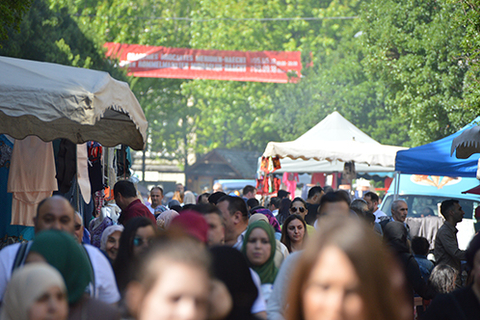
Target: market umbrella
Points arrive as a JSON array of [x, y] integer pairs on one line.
[[467, 143], [53, 101]]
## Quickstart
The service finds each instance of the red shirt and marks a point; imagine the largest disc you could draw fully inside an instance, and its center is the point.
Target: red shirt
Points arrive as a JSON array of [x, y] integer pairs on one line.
[[136, 209]]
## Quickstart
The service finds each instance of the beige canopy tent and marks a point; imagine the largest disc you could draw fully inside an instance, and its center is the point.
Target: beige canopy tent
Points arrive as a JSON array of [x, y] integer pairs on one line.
[[334, 140], [54, 101]]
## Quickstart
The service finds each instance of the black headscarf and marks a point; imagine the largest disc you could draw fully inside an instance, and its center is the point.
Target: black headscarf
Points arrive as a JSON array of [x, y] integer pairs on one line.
[[230, 266]]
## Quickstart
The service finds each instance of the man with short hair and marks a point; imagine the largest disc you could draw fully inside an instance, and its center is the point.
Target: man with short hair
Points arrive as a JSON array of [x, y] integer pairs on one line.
[[282, 194], [446, 245], [156, 197], [215, 221], [399, 210], [57, 213], [249, 192], [235, 214], [126, 198], [313, 202], [274, 205], [334, 203], [372, 201]]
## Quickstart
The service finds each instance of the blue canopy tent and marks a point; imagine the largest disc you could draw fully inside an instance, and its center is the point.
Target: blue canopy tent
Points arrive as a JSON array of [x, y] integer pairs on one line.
[[434, 158]]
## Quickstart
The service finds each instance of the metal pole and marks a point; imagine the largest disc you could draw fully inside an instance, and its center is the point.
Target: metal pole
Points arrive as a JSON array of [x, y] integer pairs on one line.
[[396, 186]]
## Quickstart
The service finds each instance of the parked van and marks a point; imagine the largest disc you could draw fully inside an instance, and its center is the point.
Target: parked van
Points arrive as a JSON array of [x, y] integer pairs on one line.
[[424, 194]]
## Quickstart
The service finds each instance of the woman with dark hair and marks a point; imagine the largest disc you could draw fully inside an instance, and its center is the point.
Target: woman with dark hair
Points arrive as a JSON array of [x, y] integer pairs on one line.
[[294, 231], [135, 239], [284, 210], [299, 206], [346, 273]]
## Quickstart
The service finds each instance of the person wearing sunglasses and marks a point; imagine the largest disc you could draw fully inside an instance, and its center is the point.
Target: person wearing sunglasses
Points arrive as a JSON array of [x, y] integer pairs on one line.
[[299, 206], [135, 239]]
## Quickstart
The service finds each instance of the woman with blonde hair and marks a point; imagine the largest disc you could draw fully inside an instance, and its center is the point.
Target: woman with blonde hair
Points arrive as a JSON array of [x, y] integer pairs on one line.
[[346, 273]]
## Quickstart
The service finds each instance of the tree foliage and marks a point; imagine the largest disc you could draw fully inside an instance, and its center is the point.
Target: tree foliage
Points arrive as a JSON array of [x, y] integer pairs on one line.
[[11, 13], [405, 72]]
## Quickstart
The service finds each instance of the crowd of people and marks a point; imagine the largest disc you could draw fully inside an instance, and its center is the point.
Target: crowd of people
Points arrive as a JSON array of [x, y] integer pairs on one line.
[[218, 256]]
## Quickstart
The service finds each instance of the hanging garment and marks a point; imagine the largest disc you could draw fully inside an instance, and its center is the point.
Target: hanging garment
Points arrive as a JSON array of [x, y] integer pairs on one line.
[[318, 178], [31, 178], [95, 166], [66, 165], [290, 180], [82, 173]]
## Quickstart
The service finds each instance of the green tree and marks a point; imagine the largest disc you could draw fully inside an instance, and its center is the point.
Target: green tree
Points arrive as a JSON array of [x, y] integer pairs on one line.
[[11, 12], [413, 49]]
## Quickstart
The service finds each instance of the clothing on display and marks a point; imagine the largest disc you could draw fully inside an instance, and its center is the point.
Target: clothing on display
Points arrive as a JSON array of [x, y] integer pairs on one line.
[[31, 178]]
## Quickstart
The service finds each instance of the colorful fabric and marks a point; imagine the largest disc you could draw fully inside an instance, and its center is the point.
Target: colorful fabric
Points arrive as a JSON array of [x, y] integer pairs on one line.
[[96, 231], [271, 219]]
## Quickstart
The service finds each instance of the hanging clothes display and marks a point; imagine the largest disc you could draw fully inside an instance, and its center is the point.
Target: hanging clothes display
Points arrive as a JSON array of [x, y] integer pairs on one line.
[[66, 162], [95, 151], [124, 162], [31, 178], [318, 178], [82, 172], [290, 180]]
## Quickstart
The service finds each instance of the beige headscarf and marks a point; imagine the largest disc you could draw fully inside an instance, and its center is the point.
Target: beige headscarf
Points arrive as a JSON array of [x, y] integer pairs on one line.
[[166, 217], [26, 286], [257, 217]]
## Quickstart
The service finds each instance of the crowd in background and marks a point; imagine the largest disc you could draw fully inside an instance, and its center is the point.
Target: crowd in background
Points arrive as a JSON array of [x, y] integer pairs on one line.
[[219, 256]]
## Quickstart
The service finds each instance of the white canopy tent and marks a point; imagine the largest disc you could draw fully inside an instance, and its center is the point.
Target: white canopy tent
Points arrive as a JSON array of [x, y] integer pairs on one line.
[[54, 101], [330, 143]]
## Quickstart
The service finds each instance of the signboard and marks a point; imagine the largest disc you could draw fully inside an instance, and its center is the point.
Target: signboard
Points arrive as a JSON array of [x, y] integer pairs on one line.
[[162, 62]]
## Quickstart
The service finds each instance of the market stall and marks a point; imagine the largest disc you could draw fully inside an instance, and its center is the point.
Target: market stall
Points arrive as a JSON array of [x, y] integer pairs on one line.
[[42, 102]]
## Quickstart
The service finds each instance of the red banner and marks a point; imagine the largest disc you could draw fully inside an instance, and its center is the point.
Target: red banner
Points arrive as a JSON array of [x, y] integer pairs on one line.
[[162, 62]]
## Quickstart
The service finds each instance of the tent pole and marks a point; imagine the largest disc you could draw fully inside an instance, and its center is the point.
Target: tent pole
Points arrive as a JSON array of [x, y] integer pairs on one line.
[[396, 187]]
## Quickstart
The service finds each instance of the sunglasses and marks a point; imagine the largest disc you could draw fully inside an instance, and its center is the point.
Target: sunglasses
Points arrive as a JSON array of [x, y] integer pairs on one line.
[[300, 209], [137, 241]]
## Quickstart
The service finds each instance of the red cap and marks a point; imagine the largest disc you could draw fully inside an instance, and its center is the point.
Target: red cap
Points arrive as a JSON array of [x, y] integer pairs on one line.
[[193, 224]]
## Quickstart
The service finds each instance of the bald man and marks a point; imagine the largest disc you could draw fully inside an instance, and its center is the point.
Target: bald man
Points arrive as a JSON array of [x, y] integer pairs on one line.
[[58, 214]]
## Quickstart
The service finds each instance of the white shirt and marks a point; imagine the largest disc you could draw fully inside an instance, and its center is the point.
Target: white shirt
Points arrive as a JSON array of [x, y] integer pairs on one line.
[[152, 211], [379, 214], [239, 243]]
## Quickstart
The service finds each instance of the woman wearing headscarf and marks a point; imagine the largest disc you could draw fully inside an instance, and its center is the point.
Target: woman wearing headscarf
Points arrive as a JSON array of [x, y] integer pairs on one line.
[[395, 236], [259, 248], [230, 267], [110, 241], [165, 218], [61, 251], [35, 292]]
